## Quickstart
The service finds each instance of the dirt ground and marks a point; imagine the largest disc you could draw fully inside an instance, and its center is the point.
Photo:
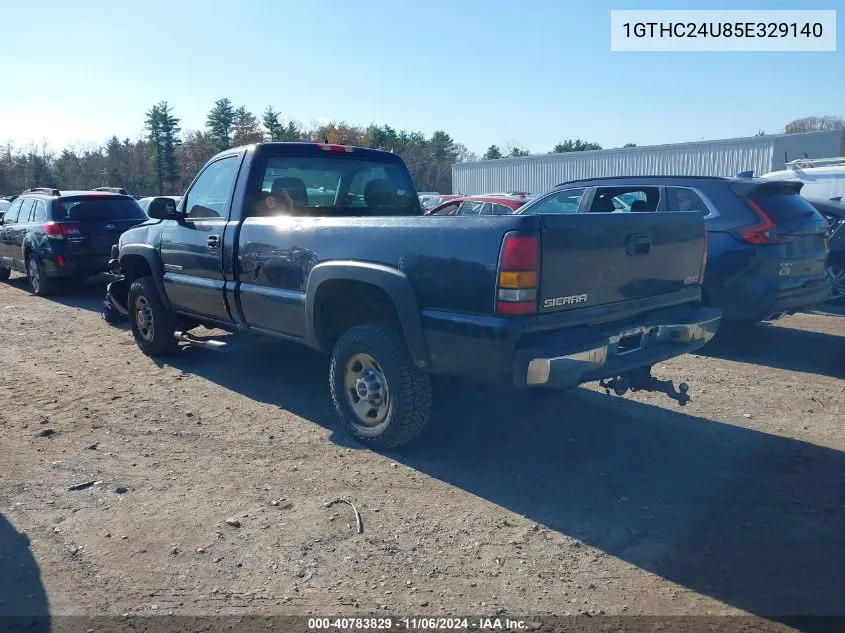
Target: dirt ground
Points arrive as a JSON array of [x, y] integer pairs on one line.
[[511, 503]]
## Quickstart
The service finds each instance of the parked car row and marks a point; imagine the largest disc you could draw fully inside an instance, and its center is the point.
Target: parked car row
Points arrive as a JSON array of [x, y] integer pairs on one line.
[[477, 205], [329, 246]]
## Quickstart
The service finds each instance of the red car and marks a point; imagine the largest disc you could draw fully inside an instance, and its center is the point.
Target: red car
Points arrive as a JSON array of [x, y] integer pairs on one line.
[[478, 205], [429, 202]]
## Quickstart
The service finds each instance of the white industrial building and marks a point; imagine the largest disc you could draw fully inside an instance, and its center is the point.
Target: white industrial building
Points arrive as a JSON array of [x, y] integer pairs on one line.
[[725, 157]]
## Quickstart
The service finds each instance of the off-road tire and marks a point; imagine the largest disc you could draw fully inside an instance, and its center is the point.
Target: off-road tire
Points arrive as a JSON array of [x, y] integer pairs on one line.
[[38, 282], [161, 341], [409, 403]]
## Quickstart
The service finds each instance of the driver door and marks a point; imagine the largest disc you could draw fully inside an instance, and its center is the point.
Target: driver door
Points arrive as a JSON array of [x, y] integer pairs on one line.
[[192, 245]]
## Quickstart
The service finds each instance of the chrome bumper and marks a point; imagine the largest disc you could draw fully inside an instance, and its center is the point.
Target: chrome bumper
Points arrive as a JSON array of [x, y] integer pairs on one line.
[[625, 350]]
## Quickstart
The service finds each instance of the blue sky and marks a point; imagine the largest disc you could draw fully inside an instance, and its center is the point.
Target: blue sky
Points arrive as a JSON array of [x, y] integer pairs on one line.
[[530, 72]]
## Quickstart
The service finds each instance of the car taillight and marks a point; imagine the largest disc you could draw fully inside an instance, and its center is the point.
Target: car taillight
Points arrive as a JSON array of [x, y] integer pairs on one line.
[[518, 275], [764, 232], [60, 231]]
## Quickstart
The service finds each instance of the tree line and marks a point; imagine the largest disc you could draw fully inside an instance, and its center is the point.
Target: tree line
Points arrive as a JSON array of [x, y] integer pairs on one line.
[[165, 160]]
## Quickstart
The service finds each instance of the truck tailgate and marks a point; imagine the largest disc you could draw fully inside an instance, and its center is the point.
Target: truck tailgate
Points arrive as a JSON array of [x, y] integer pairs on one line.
[[591, 259]]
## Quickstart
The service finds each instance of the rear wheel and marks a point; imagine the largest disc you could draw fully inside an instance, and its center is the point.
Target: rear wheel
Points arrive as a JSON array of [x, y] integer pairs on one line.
[[41, 286], [381, 397], [153, 325], [836, 273]]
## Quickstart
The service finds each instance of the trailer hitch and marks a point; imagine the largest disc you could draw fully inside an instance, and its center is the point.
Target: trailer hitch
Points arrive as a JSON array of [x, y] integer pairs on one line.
[[642, 380]]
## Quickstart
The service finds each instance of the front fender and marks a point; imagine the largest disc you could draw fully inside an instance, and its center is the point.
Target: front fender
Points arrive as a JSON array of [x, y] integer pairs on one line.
[[153, 259], [394, 282]]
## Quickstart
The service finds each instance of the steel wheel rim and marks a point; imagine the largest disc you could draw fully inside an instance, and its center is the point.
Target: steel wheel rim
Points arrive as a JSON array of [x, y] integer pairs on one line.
[[33, 276], [144, 318], [837, 278], [366, 389]]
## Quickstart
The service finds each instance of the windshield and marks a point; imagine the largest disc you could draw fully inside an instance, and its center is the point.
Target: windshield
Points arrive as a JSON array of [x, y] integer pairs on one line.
[[100, 208], [335, 184]]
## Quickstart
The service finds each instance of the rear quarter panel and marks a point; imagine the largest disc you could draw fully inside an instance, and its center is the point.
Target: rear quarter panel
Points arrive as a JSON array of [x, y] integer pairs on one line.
[[449, 261]]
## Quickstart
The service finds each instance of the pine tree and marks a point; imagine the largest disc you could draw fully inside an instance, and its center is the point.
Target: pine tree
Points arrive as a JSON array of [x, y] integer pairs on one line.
[[162, 130], [221, 124], [493, 152], [115, 175], [272, 124]]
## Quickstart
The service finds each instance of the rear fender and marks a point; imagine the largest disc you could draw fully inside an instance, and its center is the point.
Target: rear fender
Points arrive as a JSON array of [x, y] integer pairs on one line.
[[394, 282]]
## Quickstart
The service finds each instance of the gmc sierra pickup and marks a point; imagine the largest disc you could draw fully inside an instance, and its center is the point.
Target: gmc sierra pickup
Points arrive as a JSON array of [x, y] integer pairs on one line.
[[327, 245]]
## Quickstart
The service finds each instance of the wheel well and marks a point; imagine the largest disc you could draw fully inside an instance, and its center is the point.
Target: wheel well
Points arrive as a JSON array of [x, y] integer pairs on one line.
[[342, 304], [136, 267]]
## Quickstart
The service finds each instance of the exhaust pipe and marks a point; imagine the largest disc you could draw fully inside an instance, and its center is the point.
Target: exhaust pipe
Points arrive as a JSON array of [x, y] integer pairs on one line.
[[775, 316], [185, 337]]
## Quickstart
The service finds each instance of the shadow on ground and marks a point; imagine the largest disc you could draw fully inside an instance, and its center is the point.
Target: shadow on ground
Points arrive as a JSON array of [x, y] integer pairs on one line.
[[87, 295], [23, 601], [781, 347], [754, 520]]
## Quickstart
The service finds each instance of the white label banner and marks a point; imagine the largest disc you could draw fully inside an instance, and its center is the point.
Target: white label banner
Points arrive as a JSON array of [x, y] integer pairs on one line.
[[723, 30]]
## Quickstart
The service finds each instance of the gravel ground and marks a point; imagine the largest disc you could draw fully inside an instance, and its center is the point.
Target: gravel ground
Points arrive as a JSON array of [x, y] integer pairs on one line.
[[511, 503]]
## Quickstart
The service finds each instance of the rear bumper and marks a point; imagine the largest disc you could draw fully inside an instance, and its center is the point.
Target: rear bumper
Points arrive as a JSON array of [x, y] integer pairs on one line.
[[765, 297], [74, 266], [560, 362], [502, 349]]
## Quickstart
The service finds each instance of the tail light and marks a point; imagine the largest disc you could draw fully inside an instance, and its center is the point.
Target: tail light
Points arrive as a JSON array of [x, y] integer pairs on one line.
[[332, 147], [518, 275], [764, 232], [60, 231]]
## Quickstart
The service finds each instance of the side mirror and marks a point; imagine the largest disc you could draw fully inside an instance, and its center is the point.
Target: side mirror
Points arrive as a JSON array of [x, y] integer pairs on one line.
[[162, 209]]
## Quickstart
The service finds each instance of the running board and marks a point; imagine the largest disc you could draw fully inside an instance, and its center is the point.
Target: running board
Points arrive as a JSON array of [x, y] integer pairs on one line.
[[185, 337]]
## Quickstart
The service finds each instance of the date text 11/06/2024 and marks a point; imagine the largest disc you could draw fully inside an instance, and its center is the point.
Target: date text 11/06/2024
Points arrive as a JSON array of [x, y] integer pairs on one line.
[[416, 624]]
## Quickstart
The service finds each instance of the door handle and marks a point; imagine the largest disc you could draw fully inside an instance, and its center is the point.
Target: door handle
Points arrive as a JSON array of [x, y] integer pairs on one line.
[[213, 241], [639, 244]]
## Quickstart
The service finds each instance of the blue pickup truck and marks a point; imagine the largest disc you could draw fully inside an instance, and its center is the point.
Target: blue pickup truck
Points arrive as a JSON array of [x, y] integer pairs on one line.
[[396, 297]]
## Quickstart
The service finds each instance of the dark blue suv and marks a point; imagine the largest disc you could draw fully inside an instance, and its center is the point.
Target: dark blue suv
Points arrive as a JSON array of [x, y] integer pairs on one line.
[[50, 234], [767, 246]]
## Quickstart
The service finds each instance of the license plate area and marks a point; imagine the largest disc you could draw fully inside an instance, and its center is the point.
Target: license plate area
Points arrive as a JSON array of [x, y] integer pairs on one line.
[[629, 343]]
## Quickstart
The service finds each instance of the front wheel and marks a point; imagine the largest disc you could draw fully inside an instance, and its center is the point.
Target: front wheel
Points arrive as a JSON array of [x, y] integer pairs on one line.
[[381, 397], [152, 324], [836, 273]]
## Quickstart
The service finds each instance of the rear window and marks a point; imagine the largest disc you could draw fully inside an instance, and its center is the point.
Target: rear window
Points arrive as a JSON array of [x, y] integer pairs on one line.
[[781, 206], [335, 185], [79, 209]]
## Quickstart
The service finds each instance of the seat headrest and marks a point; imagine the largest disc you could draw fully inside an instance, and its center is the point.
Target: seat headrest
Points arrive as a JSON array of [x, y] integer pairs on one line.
[[379, 193], [293, 187], [603, 204], [639, 205]]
